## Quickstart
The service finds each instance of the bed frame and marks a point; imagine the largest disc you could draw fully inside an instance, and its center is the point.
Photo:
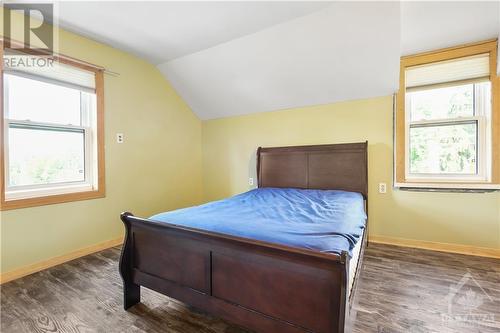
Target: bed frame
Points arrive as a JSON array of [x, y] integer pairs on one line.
[[262, 286]]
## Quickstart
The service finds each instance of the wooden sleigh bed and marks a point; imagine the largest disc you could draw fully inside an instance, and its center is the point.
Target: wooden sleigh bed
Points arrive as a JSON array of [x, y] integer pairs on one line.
[[262, 286]]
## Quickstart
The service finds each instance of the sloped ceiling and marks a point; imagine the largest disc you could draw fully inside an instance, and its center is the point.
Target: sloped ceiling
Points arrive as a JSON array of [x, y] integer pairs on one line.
[[234, 58], [342, 52], [349, 50], [164, 30], [431, 25]]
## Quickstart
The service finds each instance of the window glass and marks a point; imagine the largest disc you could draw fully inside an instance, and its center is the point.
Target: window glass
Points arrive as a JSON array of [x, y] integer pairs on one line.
[[442, 103], [39, 101], [444, 149], [45, 156]]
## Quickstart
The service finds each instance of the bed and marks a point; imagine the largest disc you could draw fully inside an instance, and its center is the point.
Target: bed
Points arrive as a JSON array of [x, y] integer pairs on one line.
[[284, 257]]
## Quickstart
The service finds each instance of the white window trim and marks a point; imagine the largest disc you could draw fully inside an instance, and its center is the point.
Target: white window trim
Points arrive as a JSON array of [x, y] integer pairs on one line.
[[483, 176], [88, 127]]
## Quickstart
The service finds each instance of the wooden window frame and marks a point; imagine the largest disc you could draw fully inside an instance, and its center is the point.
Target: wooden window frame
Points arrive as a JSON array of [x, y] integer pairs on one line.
[[100, 191], [400, 180]]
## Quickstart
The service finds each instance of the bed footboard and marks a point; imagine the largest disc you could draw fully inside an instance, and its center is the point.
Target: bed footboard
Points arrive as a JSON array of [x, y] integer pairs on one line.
[[261, 286]]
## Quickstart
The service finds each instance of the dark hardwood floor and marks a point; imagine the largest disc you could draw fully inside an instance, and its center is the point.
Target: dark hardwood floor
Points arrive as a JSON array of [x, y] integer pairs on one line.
[[401, 290]]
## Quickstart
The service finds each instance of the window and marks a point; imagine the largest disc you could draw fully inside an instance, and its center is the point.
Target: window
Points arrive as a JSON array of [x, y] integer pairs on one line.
[[52, 133], [447, 118]]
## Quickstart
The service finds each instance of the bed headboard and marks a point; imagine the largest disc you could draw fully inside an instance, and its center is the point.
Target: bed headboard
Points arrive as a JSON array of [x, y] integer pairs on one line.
[[327, 167]]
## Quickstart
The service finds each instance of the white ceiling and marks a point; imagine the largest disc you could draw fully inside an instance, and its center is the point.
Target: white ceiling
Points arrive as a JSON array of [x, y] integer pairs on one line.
[[160, 31], [431, 25], [342, 52], [232, 58]]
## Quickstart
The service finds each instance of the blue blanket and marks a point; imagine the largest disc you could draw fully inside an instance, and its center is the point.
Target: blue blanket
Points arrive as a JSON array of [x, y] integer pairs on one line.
[[320, 220]]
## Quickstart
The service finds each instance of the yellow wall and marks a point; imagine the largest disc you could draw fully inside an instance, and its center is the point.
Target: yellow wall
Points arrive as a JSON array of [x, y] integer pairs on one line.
[[157, 168], [229, 147]]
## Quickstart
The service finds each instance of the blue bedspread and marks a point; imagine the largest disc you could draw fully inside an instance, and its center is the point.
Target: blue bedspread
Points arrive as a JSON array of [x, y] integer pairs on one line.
[[321, 220]]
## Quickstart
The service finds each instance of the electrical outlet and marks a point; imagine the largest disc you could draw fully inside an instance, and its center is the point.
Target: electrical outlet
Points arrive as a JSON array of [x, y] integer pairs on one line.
[[382, 188], [119, 137], [250, 181]]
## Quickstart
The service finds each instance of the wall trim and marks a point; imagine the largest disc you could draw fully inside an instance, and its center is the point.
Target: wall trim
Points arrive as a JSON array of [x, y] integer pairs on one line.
[[404, 242], [436, 246], [44, 264]]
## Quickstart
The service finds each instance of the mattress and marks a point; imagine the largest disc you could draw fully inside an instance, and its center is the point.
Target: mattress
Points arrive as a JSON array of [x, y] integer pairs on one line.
[[354, 262], [328, 221]]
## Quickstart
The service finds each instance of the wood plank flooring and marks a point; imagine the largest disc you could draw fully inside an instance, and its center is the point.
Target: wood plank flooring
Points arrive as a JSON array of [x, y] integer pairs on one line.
[[401, 290]]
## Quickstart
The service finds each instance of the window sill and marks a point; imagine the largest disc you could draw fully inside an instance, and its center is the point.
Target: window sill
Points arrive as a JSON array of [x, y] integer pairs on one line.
[[46, 191], [50, 199], [448, 187]]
